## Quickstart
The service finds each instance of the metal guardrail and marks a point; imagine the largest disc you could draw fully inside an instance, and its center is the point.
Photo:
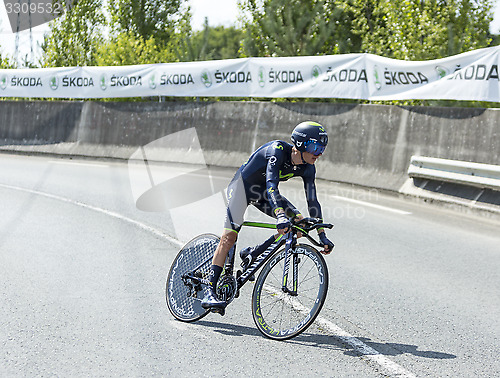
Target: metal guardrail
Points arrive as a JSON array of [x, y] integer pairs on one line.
[[455, 171]]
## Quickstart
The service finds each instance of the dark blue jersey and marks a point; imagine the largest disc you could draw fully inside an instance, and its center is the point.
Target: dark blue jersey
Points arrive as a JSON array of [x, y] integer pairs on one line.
[[272, 163]]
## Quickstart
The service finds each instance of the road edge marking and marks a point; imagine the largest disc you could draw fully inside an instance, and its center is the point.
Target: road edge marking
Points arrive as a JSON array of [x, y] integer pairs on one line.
[[390, 367], [110, 213]]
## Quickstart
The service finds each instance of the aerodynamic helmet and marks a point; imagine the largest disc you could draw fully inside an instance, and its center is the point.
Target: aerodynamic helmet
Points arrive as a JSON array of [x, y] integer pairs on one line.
[[310, 137]]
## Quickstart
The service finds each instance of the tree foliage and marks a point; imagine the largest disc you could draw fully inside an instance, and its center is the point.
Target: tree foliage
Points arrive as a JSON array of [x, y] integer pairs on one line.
[[5, 62], [146, 18], [291, 28], [211, 43], [405, 29], [418, 29], [74, 37], [127, 48]]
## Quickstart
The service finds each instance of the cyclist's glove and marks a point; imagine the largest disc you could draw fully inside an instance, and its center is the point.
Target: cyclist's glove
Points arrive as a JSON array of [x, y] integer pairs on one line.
[[282, 222], [326, 241]]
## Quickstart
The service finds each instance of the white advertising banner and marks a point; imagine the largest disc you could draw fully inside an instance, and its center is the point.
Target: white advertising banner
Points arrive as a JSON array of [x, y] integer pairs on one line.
[[470, 76]]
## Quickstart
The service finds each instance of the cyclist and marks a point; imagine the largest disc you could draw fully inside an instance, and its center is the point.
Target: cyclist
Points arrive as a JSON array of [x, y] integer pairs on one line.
[[256, 182]]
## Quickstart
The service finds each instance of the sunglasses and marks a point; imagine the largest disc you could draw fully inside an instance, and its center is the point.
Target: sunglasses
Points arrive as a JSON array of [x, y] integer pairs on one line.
[[314, 148]]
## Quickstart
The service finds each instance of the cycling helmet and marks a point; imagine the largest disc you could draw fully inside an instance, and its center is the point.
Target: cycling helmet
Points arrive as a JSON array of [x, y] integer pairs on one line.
[[310, 137]]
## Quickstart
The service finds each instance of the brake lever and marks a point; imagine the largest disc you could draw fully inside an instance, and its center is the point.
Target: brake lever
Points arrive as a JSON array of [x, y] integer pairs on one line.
[[312, 240], [324, 225]]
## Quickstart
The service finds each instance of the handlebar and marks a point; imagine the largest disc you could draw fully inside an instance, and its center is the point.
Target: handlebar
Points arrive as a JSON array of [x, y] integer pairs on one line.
[[304, 226], [308, 224]]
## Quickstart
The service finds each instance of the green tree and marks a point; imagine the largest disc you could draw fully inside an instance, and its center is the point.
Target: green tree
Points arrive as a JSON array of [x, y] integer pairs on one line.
[[418, 29], [468, 25], [295, 27], [221, 42], [405, 29], [6, 62], [182, 43], [146, 18], [74, 37], [211, 43], [127, 48]]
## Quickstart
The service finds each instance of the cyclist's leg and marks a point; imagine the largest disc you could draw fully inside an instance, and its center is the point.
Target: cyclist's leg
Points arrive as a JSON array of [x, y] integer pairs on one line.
[[235, 211], [227, 241], [237, 204], [264, 206], [249, 254]]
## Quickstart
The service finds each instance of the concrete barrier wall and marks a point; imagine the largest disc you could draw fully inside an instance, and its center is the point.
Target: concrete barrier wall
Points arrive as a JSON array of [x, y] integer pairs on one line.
[[370, 145]]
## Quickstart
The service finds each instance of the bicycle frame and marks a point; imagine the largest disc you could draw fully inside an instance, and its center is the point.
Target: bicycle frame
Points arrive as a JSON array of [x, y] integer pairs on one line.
[[290, 241], [264, 256]]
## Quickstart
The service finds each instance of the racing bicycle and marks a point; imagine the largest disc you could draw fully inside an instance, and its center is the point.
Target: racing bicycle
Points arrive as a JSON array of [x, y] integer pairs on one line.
[[288, 293]]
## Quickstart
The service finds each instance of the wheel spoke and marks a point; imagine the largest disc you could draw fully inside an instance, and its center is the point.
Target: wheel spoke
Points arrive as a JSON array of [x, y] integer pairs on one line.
[[282, 315]]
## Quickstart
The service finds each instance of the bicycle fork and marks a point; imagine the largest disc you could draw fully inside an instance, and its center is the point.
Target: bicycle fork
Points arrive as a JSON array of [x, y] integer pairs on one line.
[[290, 255]]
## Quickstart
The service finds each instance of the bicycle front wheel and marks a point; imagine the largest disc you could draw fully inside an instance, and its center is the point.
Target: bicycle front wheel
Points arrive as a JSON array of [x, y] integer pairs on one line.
[[282, 315], [184, 298]]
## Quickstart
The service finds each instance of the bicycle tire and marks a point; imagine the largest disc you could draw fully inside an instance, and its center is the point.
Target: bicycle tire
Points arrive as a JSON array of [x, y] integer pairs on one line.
[[197, 251], [271, 307]]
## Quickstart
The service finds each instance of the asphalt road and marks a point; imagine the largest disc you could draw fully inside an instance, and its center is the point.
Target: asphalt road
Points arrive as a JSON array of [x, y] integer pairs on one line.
[[414, 288]]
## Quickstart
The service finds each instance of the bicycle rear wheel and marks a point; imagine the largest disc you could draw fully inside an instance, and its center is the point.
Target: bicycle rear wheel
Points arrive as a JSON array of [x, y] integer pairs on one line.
[[279, 315], [184, 302]]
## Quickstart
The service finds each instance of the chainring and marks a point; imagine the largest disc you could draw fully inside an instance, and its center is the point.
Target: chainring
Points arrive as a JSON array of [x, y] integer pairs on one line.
[[226, 288]]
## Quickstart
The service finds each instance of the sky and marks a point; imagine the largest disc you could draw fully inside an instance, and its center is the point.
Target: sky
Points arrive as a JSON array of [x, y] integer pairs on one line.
[[219, 12]]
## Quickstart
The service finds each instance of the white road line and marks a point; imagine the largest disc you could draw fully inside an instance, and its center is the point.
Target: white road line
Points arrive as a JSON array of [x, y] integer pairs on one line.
[[368, 204], [143, 226], [95, 165], [391, 368]]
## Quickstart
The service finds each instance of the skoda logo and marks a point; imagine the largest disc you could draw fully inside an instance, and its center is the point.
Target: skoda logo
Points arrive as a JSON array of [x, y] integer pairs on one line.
[[103, 82], [152, 82], [54, 83], [315, 74], [3, 82], [376, 75], [262, 75], [441, 71], [205, 79]]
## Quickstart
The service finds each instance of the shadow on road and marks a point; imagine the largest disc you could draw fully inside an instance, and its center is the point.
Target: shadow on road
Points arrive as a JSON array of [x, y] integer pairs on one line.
[[332, 342], [394, 349], [386, 349], [230, 329]]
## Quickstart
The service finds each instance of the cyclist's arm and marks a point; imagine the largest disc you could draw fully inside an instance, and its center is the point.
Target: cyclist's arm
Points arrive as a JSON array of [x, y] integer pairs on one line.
[[275, 157], [290, 210], [312, 200], [315, 209]]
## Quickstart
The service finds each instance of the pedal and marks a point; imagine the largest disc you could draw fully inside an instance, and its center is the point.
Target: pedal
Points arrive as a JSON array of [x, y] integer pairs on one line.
[[220, 311]]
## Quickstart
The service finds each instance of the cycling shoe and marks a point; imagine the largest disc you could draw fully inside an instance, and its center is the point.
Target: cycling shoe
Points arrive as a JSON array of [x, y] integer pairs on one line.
[[210, 302]]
